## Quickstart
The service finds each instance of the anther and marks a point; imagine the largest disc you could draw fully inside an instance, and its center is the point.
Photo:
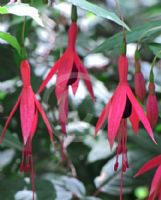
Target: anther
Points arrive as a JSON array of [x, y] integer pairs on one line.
[[116, 166], [21, 168]]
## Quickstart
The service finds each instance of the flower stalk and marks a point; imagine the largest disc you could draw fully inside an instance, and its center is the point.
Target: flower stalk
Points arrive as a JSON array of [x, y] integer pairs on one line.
[[74, 14]]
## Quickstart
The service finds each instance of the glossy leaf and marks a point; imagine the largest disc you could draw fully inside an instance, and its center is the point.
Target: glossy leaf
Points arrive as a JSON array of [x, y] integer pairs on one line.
[[10, 187], [11, 40], [11, 140], [100, 12], [142, 31], [22, 9], [45, 189]]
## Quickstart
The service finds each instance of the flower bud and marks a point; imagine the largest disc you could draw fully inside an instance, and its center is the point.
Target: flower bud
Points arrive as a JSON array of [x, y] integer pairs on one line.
[[139, 82], [152, 106], [139, 85]]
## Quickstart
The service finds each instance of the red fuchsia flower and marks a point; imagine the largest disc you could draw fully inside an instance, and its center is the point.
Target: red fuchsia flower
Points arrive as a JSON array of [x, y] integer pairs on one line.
[[155, 190], [121, 106], [139, 81], [29, 108], [152, 106], [69, 70]]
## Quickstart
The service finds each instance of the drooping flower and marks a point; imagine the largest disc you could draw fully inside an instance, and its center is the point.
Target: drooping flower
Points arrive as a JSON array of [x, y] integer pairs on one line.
[[155, 190], [69, 70], [121, 106], [152, 106], [139, 81], [29, 108]]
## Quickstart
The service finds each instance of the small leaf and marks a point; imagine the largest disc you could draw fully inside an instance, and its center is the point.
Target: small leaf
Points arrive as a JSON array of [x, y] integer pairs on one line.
[[23, 9], [11, 40], [99, 11], [44, 189], [3, 10]]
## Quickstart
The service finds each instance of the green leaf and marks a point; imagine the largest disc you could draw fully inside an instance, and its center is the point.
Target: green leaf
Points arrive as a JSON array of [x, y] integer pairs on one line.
[[133, 36], [3, 10], [155, 48], [11, 40], [144, 142], [10, 140], [44, 189], [10, 186], [22, 9], [99, 11], [66, 186]]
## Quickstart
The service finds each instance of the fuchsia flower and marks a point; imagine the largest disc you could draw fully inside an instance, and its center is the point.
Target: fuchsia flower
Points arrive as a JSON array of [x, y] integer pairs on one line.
[[155, 190], [139, 81], [29, 108], [70, 69], [152, 106], [121, 106]]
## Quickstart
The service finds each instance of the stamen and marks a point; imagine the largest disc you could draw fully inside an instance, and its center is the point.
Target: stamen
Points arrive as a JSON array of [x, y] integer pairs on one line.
[[27, 162], [27, 167], [116, 166], [122, 149], [21, 168], [26, 158]]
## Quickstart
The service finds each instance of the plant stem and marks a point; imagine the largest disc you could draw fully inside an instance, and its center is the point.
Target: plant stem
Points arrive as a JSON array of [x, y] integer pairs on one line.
[[151, 76], [23, 33], [74, 15]]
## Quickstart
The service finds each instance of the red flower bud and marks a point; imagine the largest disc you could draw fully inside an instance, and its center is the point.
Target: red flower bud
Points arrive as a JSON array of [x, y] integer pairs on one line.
[[139, 82], [139, 85], [152, 106]]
